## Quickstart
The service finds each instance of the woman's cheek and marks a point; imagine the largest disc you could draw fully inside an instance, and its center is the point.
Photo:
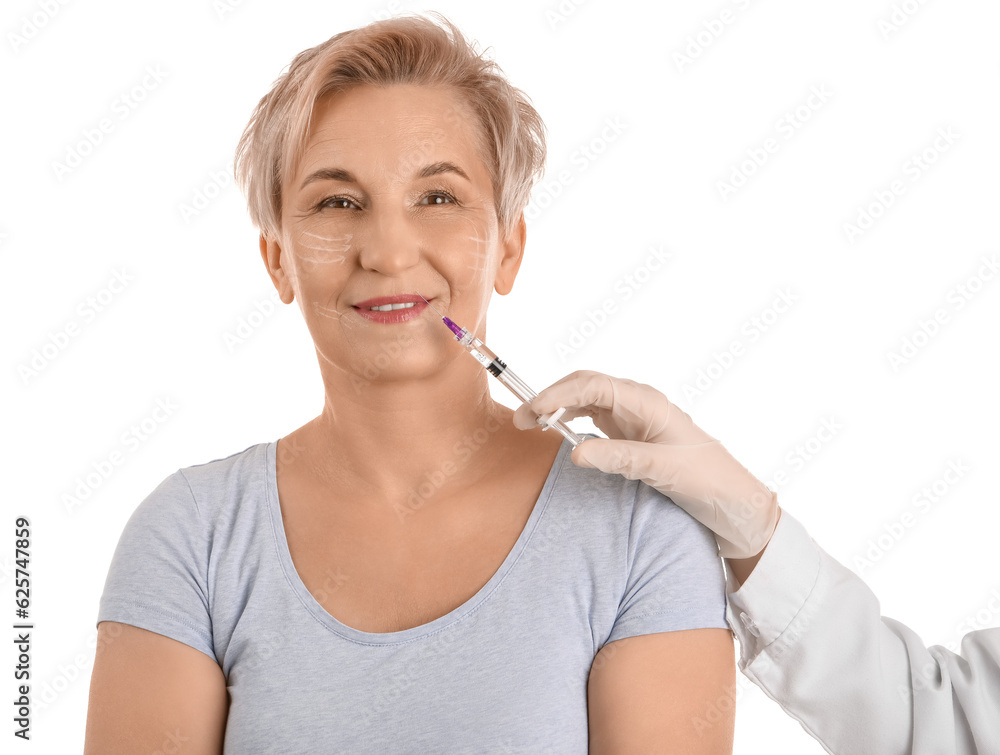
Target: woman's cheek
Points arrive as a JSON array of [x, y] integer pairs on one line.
[[470, 244], [321, 247]]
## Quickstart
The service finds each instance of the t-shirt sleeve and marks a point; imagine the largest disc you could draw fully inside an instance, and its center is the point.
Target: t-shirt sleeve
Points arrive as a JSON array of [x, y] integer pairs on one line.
[[675, 578], [158, 578]]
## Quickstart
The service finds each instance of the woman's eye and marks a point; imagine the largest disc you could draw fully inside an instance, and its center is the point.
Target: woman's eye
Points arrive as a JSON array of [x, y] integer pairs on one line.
[[336, 203], [346, 203], [439, 197]]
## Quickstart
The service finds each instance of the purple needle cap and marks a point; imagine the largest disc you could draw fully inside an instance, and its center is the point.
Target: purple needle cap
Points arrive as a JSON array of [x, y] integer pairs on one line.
[[451, 325]]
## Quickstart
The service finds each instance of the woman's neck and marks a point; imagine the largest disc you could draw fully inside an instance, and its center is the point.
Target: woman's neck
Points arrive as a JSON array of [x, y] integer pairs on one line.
[[401, 456]]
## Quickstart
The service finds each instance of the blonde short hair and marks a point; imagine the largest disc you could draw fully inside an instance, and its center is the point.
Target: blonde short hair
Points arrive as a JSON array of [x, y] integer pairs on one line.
[[408, 49]]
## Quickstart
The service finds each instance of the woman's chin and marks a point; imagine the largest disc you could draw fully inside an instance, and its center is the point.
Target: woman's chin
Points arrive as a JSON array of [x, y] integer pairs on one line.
[[383, 367]]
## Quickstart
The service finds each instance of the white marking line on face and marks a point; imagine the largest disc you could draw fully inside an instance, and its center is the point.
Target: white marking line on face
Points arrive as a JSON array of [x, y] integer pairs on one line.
[[344, 246], [318, 261], [329, 238], [480, 264], [324, 310], [324, 247], [480, 252]]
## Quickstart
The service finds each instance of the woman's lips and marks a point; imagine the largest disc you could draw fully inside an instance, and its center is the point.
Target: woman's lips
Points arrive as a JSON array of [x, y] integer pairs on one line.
[[393, 316]]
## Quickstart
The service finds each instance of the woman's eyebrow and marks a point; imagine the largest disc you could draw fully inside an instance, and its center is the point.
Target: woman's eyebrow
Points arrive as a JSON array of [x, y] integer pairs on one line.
[[328, 174], [339, 174], [443, 167]]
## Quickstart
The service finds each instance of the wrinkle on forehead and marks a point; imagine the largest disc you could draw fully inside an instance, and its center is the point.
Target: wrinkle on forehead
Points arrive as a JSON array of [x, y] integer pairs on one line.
[[430, 137]]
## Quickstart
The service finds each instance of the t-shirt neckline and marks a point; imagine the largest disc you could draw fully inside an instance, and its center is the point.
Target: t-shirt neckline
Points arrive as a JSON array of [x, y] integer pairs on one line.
[[321, 615]]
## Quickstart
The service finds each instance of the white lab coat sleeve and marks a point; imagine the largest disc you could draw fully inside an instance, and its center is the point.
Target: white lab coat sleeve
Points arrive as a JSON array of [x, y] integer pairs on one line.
[[813, 639]]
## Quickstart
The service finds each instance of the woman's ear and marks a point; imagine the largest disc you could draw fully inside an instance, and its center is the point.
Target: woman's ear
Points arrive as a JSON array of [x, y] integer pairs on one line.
[[513, 253], [270, 252]]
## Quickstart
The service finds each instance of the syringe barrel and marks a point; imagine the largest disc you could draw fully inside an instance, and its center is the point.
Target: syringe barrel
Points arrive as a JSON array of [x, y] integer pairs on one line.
[[520, 389], [496, 367], [517, 386], [484, 355]]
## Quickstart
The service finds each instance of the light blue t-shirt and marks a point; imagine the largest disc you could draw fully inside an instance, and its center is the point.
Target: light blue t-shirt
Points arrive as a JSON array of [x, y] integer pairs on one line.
[[204, 560]]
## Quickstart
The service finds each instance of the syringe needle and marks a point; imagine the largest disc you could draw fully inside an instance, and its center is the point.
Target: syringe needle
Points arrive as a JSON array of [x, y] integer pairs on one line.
[[430, 305]]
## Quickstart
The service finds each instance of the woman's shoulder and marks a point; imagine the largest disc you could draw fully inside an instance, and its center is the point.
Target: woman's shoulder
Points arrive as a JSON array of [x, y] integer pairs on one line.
[[236, 466], [630, 503], [594, 486], [206, 488]]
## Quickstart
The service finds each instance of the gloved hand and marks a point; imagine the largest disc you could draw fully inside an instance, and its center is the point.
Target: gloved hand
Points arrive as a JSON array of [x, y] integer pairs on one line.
[[652, 440]]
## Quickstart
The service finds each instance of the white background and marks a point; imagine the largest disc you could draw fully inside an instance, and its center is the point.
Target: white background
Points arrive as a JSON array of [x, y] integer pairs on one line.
[[685, 128]]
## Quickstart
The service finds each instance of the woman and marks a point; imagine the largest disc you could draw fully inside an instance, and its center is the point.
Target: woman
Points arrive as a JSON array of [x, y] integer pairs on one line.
[[409, 571]]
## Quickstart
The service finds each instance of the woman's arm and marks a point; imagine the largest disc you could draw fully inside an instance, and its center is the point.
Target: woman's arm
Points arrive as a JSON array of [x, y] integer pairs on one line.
[[149, 693], [813, 638], [669, 692]]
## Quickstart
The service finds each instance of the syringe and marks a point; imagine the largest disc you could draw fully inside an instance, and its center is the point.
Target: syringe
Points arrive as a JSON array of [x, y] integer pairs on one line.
[[495, 366]]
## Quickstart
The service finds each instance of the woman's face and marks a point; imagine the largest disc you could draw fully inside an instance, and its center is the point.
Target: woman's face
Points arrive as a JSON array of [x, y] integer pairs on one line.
[[391, 197]]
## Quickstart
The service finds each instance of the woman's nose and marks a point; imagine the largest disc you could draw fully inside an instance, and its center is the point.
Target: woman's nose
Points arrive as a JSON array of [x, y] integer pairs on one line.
[[392, 243]]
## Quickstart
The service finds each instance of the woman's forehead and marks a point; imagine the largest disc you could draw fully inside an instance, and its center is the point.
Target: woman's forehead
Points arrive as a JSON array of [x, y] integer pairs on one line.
[[394, 131], [399, 105]]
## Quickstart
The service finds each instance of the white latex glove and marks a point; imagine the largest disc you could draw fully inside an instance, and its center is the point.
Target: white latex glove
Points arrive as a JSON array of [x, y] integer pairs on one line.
[[652, 440]]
